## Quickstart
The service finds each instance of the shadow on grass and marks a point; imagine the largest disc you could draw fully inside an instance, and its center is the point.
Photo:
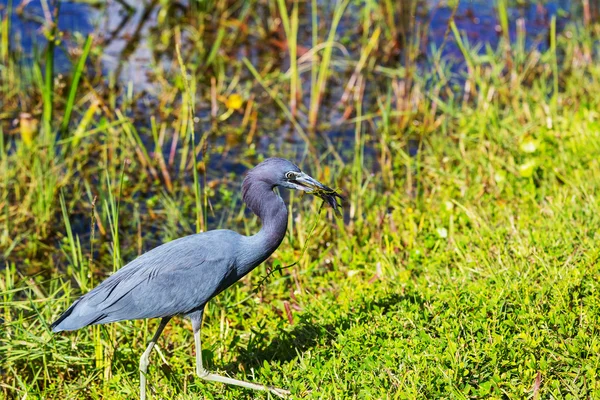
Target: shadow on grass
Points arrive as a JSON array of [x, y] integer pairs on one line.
[[307, 333]]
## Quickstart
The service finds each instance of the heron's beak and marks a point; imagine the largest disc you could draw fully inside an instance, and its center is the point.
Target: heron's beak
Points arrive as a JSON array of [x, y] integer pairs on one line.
[[310, 185]]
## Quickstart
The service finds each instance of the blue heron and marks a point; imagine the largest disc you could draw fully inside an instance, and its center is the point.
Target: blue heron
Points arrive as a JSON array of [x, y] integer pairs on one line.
[[181, 276]]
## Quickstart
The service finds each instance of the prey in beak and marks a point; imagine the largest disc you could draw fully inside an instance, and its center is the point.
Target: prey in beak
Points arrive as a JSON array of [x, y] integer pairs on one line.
[[306, 183]]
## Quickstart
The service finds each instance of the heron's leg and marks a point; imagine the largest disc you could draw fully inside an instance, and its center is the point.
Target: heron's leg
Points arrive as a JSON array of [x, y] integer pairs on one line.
[[145, 359], [204, 374]]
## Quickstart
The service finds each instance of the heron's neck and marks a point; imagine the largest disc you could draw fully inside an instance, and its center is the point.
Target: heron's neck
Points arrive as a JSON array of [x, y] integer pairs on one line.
[[272, 211], [274, 216]]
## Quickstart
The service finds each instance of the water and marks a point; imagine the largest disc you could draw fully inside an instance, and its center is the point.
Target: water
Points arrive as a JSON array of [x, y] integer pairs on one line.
[[27, 26], [123, 33], [479, 20]]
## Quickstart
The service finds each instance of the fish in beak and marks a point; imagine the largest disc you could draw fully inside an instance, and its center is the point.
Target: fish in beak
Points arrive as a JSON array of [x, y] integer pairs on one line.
[[308, 184]]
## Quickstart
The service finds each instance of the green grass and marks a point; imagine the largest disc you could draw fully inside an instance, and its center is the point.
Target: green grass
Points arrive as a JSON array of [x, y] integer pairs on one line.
[[469, 271]]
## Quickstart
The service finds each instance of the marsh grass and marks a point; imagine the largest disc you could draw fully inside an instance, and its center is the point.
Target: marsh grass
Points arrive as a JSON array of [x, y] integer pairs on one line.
[[466, 263]]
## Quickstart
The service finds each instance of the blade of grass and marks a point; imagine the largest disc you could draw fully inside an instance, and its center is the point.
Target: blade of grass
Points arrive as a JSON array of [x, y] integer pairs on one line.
[[76, 256], [503, 18], [277, 100], [2, 149], [48, 88], [136, 141], [554, 64], [85, 121], [4, 34], [188, 98], [285, 20], [113, 205], [159, 153], [290, 26], [364, 55], [75, 84], [318, 88], [216, 45], [293, 46], [463, 49]]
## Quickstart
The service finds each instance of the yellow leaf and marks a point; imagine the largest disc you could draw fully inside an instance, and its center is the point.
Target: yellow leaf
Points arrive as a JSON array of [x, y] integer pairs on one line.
[[234, 101], [28, 128]]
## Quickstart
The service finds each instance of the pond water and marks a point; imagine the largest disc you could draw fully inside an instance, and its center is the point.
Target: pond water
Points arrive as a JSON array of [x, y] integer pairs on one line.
[[117, 25]]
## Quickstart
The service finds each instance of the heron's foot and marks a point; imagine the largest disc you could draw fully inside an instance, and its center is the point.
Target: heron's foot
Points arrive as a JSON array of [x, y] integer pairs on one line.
[[204, 374], [279, 392]]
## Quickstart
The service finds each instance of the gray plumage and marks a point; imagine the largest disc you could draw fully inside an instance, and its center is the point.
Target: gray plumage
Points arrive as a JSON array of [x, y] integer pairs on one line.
[[180, 277], [175, 278]]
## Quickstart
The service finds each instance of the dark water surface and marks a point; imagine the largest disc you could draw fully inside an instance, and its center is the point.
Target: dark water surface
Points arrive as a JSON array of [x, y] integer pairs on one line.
[[116, 24]]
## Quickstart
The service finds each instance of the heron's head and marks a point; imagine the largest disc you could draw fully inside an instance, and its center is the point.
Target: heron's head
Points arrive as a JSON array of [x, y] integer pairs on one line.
[[284, 173]]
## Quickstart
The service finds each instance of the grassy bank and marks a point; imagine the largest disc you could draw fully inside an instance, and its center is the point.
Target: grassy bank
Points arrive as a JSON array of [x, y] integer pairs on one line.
[[466, 265]]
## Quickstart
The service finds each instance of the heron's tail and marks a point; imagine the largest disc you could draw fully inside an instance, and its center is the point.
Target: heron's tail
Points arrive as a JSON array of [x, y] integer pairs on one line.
[[70, 322]]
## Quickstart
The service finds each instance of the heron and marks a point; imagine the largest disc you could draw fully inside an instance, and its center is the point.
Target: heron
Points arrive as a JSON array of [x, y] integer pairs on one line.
[[181, 276]]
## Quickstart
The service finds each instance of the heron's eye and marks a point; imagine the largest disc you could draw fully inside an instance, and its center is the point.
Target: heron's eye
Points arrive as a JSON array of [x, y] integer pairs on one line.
[[290, 175]]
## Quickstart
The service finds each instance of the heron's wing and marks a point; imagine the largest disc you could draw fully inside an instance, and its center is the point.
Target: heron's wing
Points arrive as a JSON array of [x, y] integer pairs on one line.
[[171, 279]]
